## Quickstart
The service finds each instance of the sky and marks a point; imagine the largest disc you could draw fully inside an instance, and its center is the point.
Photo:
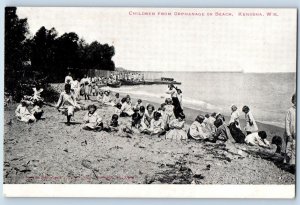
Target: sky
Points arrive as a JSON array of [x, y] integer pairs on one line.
[[181, 42]]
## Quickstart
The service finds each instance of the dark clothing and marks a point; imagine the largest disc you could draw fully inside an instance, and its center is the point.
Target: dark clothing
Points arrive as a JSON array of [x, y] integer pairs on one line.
[[177, 107]]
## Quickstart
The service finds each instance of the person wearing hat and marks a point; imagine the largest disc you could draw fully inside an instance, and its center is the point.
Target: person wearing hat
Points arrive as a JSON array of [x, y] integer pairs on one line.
[[92, 120], [23, 114], [197, 130]]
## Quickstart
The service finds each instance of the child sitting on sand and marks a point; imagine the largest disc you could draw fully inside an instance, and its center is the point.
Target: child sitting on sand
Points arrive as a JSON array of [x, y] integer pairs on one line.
[[177, 131], [37, 110], [138, 104], [67, 103], [222, 133], [123, 130], [106, 100], [117, 108], [92, 120], [197, 130], [117, 99], [23, 114], [250, 121], [148, 116], [258, 139], [138, 116], [156, 125], [100, 97], [126, 109]]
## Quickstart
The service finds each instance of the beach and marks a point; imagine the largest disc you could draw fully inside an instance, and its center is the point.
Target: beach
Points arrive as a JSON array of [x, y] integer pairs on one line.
[[48, 151]]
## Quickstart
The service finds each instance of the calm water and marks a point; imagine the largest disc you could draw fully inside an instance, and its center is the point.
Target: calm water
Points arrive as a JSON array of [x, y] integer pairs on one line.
[[267, 95]]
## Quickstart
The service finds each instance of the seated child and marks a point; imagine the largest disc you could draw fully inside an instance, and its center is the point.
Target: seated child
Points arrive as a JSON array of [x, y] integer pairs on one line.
[[156, 125], [100, 97], [137, 117], [23, 114], [138, 104], [236, 133], [177, 131], [37, 110], [92, 120], [118, 109], [222, 133], [117, 99], [122, 130], [277, 140], [106, 100], [198, 130], [257, 139], [148, 116], [126, 110]]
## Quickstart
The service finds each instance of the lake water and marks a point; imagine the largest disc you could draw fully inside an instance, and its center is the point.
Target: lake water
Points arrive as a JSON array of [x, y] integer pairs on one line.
[[268, 95]]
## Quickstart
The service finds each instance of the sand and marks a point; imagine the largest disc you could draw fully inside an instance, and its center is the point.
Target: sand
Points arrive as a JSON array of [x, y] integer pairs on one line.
[[49, 152]]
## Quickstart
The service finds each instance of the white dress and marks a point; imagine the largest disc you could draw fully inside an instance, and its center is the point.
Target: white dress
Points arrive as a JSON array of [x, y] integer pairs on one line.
[[255, 140], [126, 108], [250, 120], [92, 121], [23, 114], [67, 103], [176, 131], [196, 131]]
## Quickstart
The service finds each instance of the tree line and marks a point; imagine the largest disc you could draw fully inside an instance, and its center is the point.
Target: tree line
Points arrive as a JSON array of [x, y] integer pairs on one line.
[[46, 55]]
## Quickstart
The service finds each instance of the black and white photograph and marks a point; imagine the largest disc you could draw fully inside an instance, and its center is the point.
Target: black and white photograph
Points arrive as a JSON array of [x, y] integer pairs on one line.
[[150, 96]]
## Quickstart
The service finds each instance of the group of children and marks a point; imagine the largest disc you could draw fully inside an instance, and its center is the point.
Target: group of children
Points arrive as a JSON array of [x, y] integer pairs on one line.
[[168, 120]]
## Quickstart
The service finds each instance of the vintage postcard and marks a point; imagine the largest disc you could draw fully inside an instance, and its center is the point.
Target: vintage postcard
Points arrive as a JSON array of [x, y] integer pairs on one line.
[[150, 102]]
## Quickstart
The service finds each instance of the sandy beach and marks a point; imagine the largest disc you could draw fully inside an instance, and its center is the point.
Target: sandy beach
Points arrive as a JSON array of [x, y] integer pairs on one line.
[[50, 152]]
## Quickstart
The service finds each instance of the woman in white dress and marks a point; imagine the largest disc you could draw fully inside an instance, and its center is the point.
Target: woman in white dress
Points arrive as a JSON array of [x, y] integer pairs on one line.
[[251, 125]]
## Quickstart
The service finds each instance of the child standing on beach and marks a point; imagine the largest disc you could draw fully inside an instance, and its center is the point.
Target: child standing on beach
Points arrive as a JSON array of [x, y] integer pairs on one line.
[[67, 103], [179, 94], [258, 139], [177, 131], [92, 120], [23, 114], [290, 133], [169, 112], [250, 121], [235, 116]]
